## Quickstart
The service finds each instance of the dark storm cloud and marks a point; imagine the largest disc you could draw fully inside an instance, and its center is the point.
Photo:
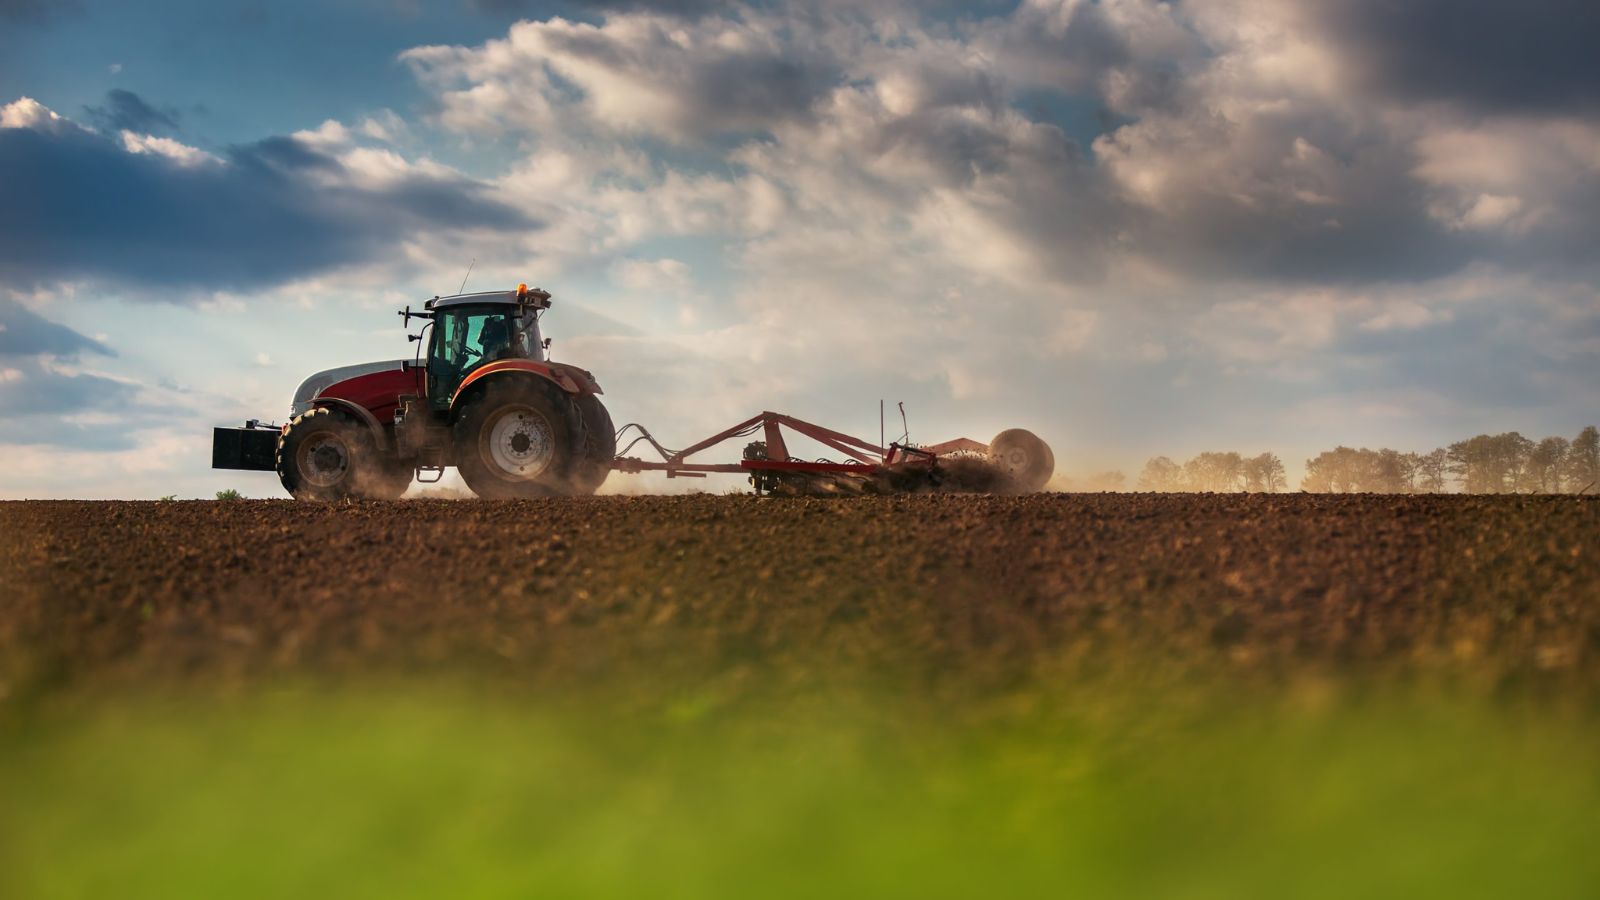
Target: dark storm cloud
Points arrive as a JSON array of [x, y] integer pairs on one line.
[[1364, 240], [24, 332], [127, 111], [753, 88], [1533, 55], [77, 205]]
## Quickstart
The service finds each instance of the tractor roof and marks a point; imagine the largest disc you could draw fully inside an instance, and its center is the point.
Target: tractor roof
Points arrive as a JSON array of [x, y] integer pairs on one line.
[[523, 294]]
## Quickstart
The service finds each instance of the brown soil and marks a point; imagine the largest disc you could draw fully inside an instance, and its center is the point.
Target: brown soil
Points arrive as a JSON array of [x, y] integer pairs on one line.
[[980, 588]]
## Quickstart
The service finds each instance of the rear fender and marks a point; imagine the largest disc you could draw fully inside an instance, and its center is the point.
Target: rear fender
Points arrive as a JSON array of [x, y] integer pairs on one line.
[[365, 416], [570, 379]]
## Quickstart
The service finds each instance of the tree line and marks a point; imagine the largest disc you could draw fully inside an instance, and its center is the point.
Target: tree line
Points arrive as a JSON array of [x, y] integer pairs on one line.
[[1485, 464]]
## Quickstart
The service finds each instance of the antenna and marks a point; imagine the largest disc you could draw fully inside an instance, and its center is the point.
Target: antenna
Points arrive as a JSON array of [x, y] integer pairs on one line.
[[466, 276]]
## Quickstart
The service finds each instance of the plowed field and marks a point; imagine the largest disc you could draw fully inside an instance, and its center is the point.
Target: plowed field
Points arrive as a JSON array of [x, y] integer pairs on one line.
[[967, 587]]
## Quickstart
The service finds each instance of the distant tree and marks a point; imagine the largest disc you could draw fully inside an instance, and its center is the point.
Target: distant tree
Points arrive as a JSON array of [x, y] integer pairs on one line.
[[1216, 472], [1320, 474], [1384, 471], [1546, 464], [1582, 467], [1431, 471], [1515, 450], [1338, 470], [1161, 474], [1264, 473], [1490, 464], [1411, 469], [1468, 463], [229, 494]]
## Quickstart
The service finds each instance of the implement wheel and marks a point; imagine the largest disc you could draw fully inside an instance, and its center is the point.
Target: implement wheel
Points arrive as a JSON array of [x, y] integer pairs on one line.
[[1025, 460], [518, 438]]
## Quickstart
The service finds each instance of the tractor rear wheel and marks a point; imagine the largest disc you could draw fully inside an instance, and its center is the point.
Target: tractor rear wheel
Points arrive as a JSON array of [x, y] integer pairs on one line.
[[1025, 460], [326, 455], [518, 438], [599, 446]]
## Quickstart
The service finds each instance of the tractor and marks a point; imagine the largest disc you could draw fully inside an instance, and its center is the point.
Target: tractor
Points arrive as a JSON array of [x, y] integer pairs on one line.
[[487, 400]]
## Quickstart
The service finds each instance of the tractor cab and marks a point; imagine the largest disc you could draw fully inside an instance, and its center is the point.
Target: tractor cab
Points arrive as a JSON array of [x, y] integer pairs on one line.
[[472, 330]]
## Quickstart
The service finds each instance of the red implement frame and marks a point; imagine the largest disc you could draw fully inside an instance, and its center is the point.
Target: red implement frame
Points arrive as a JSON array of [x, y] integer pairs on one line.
[[866, 457]]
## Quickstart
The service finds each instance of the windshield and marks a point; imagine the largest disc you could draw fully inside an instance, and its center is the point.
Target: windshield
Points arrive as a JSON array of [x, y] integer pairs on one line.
[[465, 338]]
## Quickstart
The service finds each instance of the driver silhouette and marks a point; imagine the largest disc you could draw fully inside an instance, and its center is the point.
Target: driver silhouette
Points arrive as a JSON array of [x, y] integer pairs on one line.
[[493, 341]]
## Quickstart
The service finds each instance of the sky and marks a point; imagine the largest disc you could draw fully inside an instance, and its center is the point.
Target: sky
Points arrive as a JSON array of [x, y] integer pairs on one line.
[[1135, 228]]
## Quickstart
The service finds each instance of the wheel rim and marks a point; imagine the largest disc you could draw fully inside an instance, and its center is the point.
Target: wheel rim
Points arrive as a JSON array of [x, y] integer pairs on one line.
[[519, 443], [323, 459]]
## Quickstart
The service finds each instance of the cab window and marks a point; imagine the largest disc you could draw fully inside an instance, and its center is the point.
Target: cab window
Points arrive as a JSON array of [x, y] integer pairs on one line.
[[464, 339]]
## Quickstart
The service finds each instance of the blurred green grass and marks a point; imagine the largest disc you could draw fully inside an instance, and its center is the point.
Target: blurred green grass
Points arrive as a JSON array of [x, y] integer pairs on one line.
[[400, 789]]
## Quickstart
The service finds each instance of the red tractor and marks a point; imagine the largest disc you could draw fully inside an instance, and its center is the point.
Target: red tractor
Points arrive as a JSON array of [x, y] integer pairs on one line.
[[487, 400]]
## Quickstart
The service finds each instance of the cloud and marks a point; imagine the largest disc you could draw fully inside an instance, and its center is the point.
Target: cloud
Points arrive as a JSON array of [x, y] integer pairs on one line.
[[686, 8], [27, 112], [636, 73], [53, 391], [1486, 55], [1237, 140], [45, 392], [180, 153], [24, 332], [167, 216], [127, 111]]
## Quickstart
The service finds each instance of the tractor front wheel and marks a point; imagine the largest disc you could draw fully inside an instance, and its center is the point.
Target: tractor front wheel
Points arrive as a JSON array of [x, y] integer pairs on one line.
[[328, 455], [517, 439]]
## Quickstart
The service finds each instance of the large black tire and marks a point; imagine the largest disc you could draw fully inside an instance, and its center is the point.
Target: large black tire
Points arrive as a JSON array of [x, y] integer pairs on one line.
[[326, 454], [518, 438], [1025, 460], [599, 446]]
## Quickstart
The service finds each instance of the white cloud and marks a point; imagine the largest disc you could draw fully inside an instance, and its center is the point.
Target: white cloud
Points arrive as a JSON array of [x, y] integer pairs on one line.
[[26, 112], [180, 153]]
